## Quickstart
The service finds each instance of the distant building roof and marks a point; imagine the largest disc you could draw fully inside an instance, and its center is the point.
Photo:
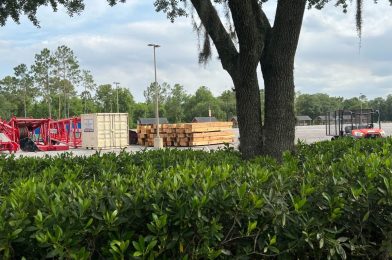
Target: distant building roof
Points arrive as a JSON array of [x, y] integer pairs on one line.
[[204, 119], [234, 118], [151, 121], [345, 117], [325, 118], [303, 118]]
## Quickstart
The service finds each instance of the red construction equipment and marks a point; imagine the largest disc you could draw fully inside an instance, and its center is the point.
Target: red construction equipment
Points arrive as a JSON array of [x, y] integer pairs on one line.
[[364, 123], [44, 134], [7, 133], [25, 134], [66, 131]]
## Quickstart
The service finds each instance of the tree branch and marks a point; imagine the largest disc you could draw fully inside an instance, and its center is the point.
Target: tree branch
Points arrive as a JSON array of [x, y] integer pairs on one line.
[[287, 28], [252, 28], [244, 19], [212, 23], [14, 9]]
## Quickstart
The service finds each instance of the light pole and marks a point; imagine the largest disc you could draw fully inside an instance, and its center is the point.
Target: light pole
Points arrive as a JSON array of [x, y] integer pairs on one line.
[[158, 143], [360, 100], [209, 111], [117, 83]]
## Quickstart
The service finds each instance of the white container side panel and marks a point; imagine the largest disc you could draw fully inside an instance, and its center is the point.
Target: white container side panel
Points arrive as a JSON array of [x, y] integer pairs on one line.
[[105, 130]]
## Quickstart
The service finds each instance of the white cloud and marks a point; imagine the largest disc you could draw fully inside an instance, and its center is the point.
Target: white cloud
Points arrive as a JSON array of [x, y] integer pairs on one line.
[[123, 55], [329, 58], [342, 80]]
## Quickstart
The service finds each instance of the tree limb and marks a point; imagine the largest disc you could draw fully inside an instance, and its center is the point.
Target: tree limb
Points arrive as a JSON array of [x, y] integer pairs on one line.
[[249, 28], [287, 28], [212, 23]]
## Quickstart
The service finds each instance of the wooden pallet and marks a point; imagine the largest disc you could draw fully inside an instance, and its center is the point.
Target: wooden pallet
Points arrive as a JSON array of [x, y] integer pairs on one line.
[[207, 127], [188, 134]]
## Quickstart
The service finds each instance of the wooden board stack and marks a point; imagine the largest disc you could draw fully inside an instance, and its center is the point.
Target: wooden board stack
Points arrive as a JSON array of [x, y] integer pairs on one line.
[[188, 134]]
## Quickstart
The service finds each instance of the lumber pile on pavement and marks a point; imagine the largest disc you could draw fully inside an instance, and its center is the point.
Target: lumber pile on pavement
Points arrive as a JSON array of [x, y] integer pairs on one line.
[[188, 134]]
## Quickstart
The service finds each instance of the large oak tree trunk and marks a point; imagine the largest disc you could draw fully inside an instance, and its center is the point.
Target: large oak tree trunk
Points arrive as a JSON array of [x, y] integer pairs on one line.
[[277, 65], [249, 113], [275, 49], [240, 64], [279, 123], [247, 20]]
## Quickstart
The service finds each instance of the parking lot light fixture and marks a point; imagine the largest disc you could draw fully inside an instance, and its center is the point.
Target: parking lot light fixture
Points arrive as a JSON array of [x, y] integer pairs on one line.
[[158, 143]]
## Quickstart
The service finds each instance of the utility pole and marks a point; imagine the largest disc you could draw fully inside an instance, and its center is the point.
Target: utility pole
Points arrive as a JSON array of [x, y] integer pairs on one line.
[[360, 100], [158, 143], [85, 98], [209, 111], [117, 83]]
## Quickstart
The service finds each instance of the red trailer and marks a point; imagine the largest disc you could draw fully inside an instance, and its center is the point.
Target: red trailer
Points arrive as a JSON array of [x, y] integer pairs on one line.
[[7, 133], [44, 134], [66, 131], [25, 134]]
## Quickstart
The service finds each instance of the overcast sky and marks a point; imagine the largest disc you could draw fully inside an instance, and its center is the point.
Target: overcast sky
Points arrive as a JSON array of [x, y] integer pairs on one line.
[[111, 42]]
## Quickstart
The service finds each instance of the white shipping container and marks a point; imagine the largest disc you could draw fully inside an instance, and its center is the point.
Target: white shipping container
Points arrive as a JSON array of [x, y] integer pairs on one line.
[[104, 130]]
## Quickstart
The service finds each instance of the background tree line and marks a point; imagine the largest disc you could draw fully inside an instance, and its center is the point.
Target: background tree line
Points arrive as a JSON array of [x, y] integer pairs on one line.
[[55, 86], [314, 105]]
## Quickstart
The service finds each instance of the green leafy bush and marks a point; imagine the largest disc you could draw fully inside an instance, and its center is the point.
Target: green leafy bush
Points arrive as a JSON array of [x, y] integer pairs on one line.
[[328, 200]]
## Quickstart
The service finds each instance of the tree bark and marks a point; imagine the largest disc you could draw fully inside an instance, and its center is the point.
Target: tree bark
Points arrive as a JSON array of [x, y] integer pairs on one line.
[[279, 124], [250, 31], [248, 112], [241, 65], [275, 49], [277, 65]]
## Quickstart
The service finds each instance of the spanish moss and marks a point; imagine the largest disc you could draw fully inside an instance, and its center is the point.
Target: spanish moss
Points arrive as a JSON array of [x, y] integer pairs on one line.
[[205, 53]]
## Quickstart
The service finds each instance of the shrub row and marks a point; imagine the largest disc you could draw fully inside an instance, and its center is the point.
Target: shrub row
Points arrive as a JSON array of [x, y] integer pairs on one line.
[[327, 200]]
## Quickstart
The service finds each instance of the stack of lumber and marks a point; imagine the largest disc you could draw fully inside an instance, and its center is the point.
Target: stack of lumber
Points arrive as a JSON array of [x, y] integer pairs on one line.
[[189, 134]]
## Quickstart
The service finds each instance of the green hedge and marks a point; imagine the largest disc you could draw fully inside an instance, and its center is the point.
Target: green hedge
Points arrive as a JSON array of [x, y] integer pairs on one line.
[[328, 200]]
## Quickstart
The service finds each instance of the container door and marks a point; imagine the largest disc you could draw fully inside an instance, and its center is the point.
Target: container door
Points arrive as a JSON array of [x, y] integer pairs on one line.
[[104, 134], [114, 127], [120, 126]]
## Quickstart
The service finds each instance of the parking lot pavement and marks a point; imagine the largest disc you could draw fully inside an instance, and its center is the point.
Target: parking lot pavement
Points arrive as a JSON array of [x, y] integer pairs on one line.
[[316, 133]]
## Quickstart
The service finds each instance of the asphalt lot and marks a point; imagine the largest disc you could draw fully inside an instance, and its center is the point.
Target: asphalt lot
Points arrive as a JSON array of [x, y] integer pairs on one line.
[[315, 133], [307, 134]]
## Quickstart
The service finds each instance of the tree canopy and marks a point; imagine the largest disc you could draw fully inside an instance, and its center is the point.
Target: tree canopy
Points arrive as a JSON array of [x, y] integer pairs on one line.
[[14, 9]]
